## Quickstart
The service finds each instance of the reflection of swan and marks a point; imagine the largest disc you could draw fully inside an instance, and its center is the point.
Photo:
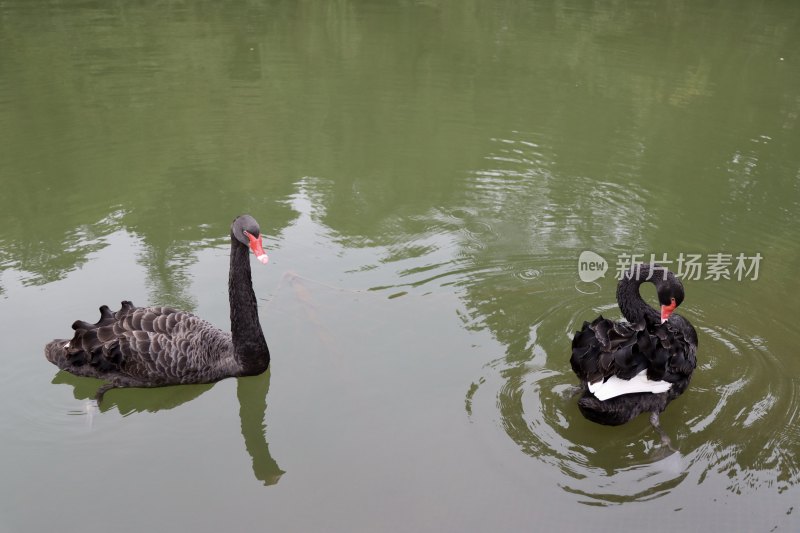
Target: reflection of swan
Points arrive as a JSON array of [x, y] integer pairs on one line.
[[630, 368], [129, 402], [156, 346], [251, 391]]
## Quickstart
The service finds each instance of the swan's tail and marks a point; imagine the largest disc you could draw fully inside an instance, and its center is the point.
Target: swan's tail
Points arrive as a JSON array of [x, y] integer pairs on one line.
[[85, 354], [56, 352]]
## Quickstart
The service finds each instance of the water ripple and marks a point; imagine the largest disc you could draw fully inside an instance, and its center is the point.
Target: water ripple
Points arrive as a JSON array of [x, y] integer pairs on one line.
[[723, 427]]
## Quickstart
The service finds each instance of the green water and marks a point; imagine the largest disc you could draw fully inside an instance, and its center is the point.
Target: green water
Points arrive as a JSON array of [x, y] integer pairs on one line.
[[426, 175]]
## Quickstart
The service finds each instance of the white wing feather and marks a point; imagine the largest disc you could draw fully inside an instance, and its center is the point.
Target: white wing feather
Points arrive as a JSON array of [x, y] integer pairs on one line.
[[614, 386]]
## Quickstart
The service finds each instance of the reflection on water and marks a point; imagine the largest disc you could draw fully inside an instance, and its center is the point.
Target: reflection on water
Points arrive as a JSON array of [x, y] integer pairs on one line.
[[251, 393], [128, 401]]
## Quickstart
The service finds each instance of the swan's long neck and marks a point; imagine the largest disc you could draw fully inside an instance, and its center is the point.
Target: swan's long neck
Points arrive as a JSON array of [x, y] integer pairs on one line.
[[633, 307], [249, 345]]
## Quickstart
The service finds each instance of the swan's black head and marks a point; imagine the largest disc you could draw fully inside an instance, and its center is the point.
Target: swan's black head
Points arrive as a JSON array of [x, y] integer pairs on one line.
[[245, 230], [670, 293]]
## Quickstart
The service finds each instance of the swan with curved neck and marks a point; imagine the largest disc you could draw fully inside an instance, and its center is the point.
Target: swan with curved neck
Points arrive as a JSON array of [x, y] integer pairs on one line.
[[627, 368], [634, 308], [159, 346]]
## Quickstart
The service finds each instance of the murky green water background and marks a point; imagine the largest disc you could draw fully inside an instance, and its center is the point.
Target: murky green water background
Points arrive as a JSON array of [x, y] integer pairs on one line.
[[427, 174]]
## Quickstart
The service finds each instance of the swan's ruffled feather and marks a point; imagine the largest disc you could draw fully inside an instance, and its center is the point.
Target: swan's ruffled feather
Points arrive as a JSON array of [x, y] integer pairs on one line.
[[146, 346], [657, 362]]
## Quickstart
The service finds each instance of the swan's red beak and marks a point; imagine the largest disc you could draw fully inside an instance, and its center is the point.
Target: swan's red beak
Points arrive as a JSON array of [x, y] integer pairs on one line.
[[257, 247], [667, 310]]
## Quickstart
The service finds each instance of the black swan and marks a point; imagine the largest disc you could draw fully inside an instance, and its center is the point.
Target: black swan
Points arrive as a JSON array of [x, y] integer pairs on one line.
[[639, 366], [158, 346]]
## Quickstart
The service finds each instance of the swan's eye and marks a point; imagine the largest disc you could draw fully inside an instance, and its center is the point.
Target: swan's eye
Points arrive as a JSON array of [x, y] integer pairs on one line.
[[673, 302]]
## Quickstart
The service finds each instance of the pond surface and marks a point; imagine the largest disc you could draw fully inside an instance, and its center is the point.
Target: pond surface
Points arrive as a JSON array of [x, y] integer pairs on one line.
[[427, 175]]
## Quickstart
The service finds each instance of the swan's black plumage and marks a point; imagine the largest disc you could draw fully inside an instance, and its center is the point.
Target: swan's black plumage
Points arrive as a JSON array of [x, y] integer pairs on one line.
[[665, 351], [157, 346]]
